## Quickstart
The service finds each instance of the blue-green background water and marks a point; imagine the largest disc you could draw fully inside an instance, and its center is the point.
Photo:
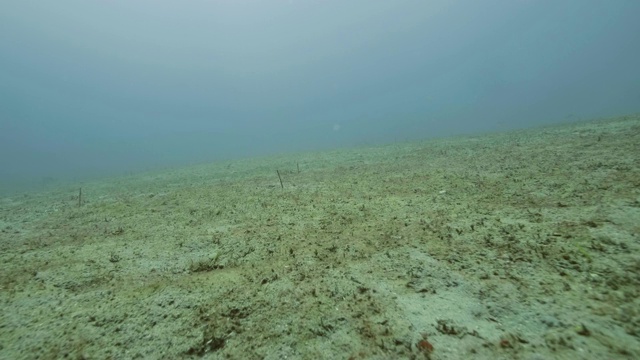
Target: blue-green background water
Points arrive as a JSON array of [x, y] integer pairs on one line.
[[94, 88]]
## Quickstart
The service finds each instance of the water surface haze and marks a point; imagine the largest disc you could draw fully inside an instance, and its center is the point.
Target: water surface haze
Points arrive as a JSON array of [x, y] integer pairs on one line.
[[96, 88]]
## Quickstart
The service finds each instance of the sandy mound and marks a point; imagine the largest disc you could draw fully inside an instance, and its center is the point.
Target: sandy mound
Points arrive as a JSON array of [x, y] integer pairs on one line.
[[517, 245]]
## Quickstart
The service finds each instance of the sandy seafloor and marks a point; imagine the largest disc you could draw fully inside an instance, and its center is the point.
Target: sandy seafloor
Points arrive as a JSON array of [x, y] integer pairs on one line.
[[519, 245]]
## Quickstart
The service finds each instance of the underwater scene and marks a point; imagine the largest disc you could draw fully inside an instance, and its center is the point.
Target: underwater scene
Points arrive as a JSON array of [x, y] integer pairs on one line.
[[320, 179], [511, 245]]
